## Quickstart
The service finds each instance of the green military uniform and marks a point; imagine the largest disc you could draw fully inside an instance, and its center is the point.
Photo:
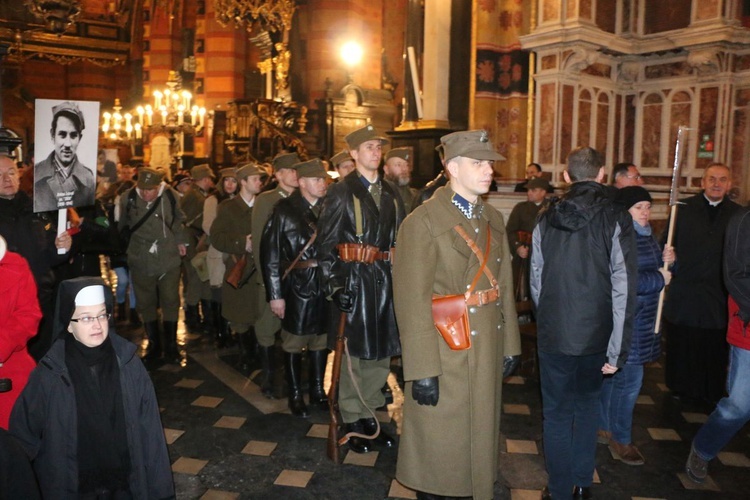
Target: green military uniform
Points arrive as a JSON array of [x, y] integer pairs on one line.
[[267, 324], [153, 255], [228, 234], [434, 259], [192, 205], [457, 405], [407, 195]]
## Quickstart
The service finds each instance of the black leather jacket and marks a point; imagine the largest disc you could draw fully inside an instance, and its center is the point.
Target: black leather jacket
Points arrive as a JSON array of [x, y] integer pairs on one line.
[[371, 326], [289, 228]]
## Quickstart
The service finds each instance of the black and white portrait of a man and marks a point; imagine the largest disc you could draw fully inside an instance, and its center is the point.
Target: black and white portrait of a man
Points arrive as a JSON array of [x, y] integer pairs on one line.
[[63, 179]]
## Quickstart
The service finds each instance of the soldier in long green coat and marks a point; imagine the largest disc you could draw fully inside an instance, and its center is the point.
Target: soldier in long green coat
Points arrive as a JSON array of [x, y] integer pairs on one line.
[[267, 324], [231, 233], [452, 399]]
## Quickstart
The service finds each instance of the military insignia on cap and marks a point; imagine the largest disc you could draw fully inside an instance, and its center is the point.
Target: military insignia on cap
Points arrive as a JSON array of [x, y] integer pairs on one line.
[[148, 177], [483, 137]]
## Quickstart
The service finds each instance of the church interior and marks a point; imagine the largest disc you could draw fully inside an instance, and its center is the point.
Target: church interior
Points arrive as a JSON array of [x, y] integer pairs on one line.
[[186, 82]]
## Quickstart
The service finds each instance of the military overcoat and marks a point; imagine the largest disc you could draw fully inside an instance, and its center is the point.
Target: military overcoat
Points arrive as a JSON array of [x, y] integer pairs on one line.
[[228, 234], [290, 228], [371, 326], [452, 449]]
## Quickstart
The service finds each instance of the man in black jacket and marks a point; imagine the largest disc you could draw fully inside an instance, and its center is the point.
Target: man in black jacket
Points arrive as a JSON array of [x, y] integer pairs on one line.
[[358, 225], [292, 279], [583, 282], [33, 236], [696, 309]]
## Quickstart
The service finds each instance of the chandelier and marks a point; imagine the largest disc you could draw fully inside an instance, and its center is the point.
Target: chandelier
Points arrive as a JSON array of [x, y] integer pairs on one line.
[[56, 14], [119, 127], [269, 15]]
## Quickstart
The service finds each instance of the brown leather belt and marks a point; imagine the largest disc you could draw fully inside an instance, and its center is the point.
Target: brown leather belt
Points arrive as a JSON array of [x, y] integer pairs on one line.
[[306, 264], [359, 252], [483, 297]]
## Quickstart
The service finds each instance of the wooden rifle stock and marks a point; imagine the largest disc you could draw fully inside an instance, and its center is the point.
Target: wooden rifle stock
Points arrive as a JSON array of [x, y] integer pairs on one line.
[[335, 427]]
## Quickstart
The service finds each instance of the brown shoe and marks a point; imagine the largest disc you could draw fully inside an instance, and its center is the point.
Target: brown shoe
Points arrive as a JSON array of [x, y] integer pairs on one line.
[[603, 437], [627, 453]]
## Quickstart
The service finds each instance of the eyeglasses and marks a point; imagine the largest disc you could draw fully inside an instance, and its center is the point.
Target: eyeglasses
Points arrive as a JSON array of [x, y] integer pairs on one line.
[[87, 320]]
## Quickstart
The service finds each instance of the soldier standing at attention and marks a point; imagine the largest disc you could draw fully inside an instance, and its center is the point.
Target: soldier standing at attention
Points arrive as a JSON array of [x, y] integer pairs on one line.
[[231, 233], [192, 205], [267, 324], [154, 255], [358, 225], [397, 169], [293, 285], [452, 397]]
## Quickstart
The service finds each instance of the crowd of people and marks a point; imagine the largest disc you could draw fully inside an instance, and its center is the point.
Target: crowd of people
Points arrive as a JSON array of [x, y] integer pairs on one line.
[[279, 256]]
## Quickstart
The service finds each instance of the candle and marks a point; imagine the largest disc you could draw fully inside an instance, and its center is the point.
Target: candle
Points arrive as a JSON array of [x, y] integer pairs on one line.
[[149, 115], [180, 114], [140, 112], [107, 116], [157, 99], [202, 114], [138, 133]]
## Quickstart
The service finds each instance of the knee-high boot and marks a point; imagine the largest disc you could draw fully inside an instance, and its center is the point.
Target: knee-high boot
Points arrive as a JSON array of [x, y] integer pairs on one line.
[[171, 350], [207, 326], [220, 325], [268, 362], [154, 350], [192, 318], [293, 361], [248, 349], [317, 360]]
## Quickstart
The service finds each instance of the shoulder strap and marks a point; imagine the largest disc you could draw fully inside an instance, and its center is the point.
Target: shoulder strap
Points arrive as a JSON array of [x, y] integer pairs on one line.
[[300, 254], [482, 257], [173, 202], [358, 218], [142, 220]]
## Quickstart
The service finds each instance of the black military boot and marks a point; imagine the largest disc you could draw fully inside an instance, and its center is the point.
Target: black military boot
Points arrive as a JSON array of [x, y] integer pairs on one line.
[[209, 320], [122, 311], [317, 360], [154, 350], [171, 349], [135, 320], [358, 444], [268, 362], [192, 320], [383, 439], [248, 350], [293, 362], [220, 326]]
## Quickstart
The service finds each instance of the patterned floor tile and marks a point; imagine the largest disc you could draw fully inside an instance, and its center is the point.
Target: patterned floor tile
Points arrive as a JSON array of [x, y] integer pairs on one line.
[[207, 402], [230, 422], [259, 448], [398, 490], [525, 494], [708, 485], [362, 459], [520, 446], [318, 431], [220, 495], [295, 478], [644, 400], [658, 434], [187, 465], [172, 435], [189, 383], [734, 459], [169, 367], [516, 409], [662, 387], [694, 418]]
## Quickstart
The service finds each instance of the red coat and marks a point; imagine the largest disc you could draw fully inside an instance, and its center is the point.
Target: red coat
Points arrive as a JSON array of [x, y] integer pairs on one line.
[[19, 320], [738, 334]]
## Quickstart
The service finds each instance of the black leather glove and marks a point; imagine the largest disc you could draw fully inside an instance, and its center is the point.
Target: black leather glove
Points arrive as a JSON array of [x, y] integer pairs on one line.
[[425, 391], [344, 300], [510, 363]]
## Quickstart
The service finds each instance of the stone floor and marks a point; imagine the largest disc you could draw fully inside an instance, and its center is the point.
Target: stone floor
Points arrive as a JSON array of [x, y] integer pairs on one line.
[[227, 441]]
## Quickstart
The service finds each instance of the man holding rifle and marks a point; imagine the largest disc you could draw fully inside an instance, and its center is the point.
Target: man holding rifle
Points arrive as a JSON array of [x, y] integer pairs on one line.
[[358, 225]]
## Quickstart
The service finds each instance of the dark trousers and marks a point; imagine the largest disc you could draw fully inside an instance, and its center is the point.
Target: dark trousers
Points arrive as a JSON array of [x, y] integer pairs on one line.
[[571, 386]]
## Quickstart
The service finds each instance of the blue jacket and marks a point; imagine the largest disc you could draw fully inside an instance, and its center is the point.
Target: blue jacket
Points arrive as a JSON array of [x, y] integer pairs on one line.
[[645, 346]]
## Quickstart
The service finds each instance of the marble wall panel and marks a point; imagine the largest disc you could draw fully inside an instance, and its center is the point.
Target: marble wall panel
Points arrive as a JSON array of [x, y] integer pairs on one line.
[[566, 122], [570, 9], [679, 115], [602, 123], [707, 115], [742, 62], [584, 119], [550, 10], [667, 70], [547, 112], [606, 16], [651, 132], [666, 16], [598, 69], [739, 141], [707, 9], [585, 9], [628, 121], [549, 62]]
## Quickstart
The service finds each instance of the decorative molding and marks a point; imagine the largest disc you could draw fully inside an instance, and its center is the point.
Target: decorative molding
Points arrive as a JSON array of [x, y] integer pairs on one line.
[[580, 59], [705, 61]]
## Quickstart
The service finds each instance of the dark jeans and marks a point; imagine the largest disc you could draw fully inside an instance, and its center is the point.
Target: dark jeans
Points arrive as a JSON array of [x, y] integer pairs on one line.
[[570, 405]]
